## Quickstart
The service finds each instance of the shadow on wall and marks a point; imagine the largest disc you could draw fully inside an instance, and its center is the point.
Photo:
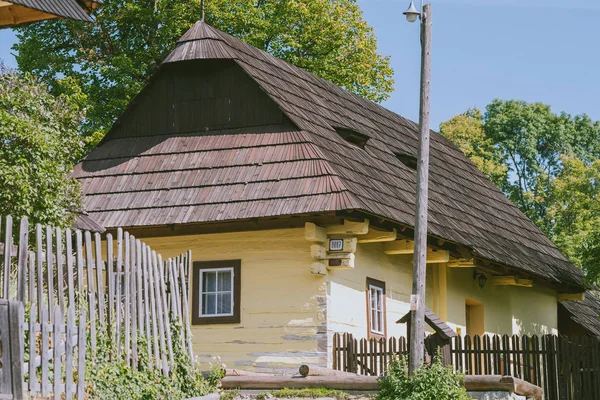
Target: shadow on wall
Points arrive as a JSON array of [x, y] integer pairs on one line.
[[529, 328]]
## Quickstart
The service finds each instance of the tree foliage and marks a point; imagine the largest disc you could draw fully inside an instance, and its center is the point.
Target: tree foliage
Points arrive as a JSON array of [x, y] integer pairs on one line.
[[39, 144], [549, 166], [113, 58]]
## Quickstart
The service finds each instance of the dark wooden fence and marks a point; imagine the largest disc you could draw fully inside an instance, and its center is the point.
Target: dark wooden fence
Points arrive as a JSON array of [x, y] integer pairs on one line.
[[567, 368]]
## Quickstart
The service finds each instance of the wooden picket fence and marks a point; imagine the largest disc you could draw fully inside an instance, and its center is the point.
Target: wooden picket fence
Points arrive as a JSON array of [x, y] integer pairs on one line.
[[118, 288], [566, 368]]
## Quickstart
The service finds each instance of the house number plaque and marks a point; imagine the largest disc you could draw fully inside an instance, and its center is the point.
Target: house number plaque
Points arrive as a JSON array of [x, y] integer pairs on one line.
[[336, 244]]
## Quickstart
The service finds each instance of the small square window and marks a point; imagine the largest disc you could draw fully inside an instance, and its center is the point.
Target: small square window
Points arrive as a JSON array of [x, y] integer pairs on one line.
[[216, 295], [376, 308]]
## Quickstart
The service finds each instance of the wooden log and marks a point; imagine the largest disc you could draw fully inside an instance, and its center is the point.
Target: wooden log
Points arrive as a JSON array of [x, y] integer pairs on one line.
[[160, 314], [44, 349], [146, 280], [40, 267], [367, 383], [490, 383], [23, 257], [110, 274], [99, 280], [185, 296], [165, 307], [70, 271], [79, 250], [242, 372], [306, 370], [127, 302]]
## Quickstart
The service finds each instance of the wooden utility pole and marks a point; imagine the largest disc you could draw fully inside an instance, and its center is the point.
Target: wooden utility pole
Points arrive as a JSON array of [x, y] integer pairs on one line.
[[417, 300]]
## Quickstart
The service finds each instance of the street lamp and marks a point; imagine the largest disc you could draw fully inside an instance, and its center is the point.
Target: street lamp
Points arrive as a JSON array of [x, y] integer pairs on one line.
[[412, 14], [417, 298]]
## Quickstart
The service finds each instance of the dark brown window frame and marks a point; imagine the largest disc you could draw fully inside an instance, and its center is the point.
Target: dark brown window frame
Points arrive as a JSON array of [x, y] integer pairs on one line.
[[380, 284], [237, 289]]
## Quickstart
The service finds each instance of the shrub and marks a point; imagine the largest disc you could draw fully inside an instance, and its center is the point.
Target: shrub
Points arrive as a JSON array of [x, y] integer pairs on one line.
[[109, 380], [434, 382]]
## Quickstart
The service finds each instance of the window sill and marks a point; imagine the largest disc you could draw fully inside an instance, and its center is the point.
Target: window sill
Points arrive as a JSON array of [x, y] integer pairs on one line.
[[234, 319]]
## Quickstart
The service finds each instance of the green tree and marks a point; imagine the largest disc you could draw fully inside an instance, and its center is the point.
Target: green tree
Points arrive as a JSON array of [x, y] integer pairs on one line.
[[113, 58], [574, 210], [39, 144], [549, 166], [467, 133]]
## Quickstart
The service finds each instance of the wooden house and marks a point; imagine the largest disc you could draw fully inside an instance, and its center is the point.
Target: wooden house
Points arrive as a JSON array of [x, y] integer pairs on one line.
[[297, 200]]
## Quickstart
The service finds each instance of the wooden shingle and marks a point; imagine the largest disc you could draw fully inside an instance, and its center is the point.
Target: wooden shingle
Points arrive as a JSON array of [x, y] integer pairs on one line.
[[275, 152]]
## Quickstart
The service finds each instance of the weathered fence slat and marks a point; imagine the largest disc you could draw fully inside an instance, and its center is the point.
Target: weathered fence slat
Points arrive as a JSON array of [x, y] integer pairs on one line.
[[69, 280]]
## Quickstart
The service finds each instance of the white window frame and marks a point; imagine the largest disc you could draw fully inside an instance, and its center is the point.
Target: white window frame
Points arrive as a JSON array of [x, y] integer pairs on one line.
[[379, 313], [201, 291]]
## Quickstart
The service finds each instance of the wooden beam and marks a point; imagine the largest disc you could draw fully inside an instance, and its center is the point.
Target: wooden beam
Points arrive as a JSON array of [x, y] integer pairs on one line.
[[314, 233], [13, 15], [375, 236], [437, 256], [571, 296], [347, 245], [349, 228], [399, 247], [364, 383], [462, 264], [511, 281]]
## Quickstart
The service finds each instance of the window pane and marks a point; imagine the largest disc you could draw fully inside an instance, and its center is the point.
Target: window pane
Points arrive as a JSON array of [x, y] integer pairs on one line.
[[224, 281], [209, 306], [209, 281], [374, 325], [224, 303]]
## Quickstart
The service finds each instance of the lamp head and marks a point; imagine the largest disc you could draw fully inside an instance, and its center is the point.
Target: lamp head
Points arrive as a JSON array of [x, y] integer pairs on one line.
[[480, 278], [412, 13]]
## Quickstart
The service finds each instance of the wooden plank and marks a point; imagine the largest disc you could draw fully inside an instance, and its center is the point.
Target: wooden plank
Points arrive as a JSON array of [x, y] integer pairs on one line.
[[32, 349], [160, 317], [165, 314], [7, 255], [133, 304], [110, 273], [100, 281], [44, 349], [139, 287], [57, 355], [23, 257], [50, 273], [79, 251], [70, 271], [185, 298], [90, 291], [146, 281], [118, 287], [126, 304], [71, 331], [153, 304], [17, 360], [81, 336], [40, 267], [60, 275]]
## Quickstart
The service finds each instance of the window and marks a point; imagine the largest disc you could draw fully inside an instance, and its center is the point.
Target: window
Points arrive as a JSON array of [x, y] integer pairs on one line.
[[408, 160], [376, 308], [216, 296], [350, 136]]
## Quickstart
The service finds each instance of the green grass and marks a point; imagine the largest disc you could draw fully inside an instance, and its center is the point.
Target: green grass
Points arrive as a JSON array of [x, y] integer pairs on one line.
[[305, 393], [229, 394]]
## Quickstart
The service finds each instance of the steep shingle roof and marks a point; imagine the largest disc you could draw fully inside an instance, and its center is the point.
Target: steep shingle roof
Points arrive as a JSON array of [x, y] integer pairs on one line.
[[307, 167]]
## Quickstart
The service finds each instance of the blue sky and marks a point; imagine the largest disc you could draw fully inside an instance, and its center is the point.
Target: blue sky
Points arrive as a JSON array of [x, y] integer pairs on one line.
[[534, 50]]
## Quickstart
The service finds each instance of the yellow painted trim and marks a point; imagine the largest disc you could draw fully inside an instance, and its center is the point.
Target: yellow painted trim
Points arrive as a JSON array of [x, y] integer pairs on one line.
[[314, 233], [375, 236], [511, 281], [461, 264], [437, 256], [349, 228], [571, 296], [318, 268], [399, 247]]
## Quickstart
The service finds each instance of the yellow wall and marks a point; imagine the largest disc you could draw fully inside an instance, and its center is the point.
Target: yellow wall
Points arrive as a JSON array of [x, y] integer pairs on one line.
[[507, 309], [289, 315], [283, 306]]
